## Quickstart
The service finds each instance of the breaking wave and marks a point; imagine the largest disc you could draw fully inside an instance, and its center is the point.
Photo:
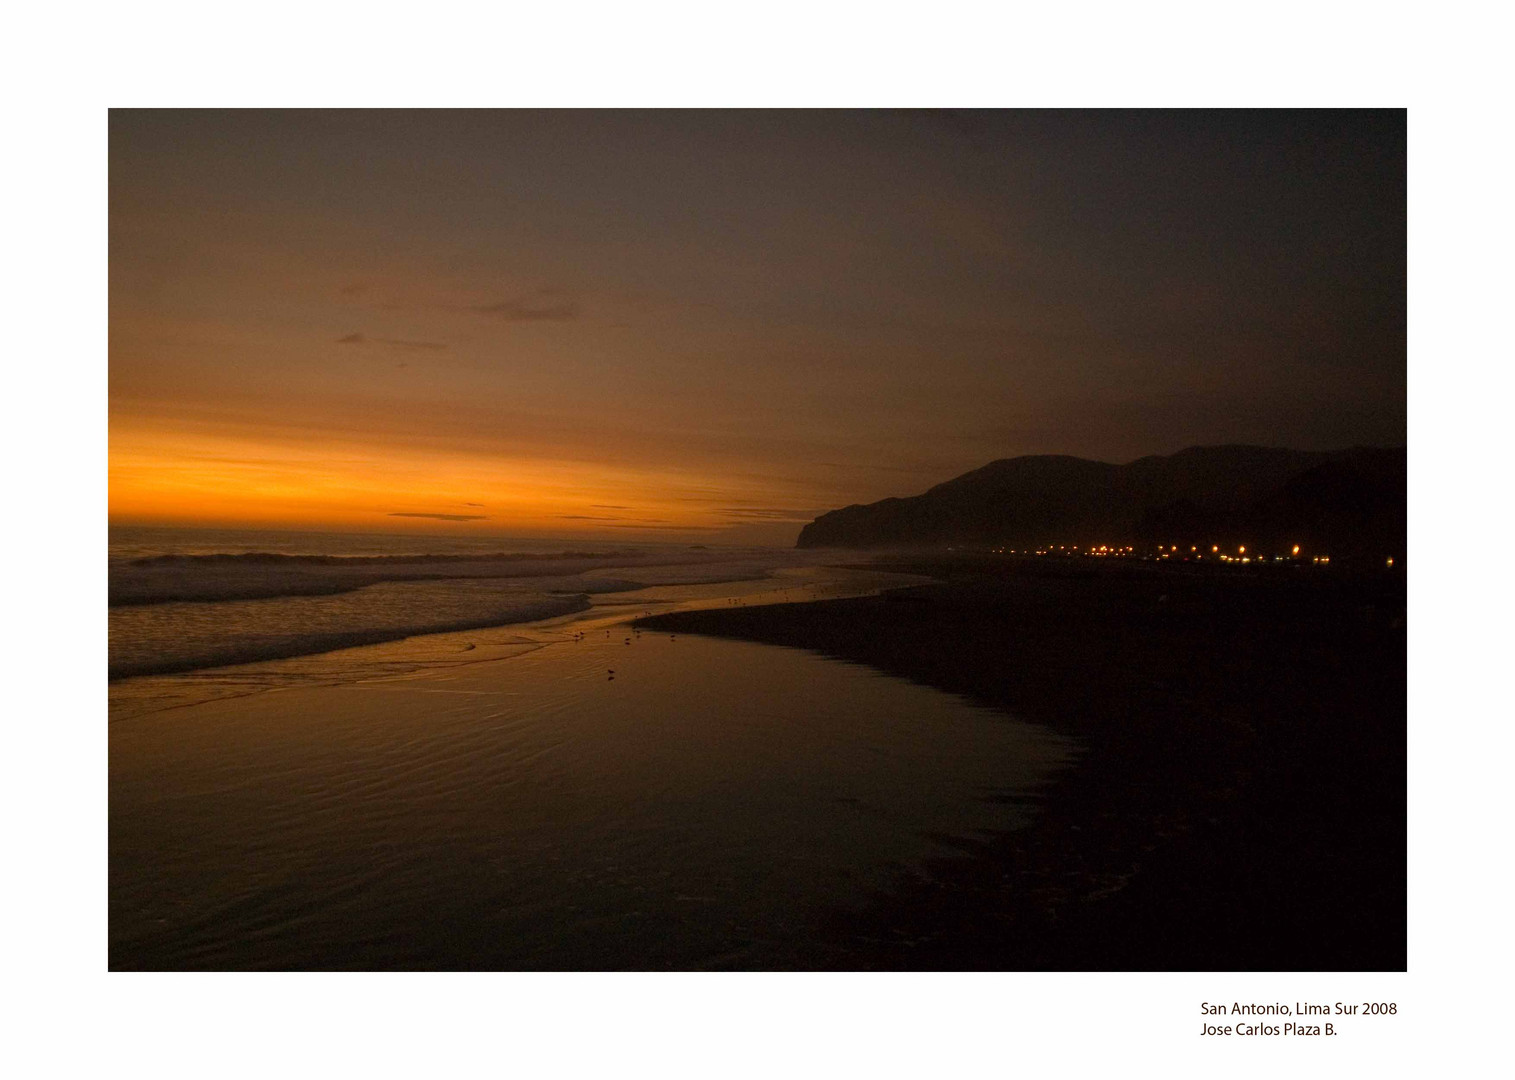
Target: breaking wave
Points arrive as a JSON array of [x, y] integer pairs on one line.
[[181, 602], [166, 646], [171, 579]]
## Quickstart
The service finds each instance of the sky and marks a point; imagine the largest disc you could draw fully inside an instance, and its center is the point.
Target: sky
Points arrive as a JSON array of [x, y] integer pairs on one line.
[[719, 324]]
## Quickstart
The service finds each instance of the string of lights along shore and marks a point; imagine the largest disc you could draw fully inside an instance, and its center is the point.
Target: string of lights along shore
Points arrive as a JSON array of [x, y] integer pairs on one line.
[[1177, 553]]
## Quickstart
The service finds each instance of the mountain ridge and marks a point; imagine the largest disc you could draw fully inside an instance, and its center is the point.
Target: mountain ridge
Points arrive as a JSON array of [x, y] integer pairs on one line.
[[1349, 502]]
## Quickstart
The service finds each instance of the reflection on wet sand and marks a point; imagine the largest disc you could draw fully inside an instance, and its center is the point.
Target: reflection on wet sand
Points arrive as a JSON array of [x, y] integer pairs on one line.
[[573, 794]]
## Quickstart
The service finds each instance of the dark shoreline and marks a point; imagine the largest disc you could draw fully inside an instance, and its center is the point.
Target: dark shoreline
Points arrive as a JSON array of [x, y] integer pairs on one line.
[[1240, 802]]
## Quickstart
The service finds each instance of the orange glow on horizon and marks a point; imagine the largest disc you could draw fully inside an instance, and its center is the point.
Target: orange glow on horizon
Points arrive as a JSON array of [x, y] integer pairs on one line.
[[179, 477]]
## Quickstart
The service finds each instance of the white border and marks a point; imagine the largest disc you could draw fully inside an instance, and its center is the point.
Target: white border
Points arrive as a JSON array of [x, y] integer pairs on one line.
[[68, 65]]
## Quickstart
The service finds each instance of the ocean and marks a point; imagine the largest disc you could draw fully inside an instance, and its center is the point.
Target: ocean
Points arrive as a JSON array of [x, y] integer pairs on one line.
[[190, 600]]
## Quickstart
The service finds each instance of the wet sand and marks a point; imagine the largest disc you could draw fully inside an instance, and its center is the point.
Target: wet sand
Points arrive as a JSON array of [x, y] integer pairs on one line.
[[573, 794], [1240, 802]]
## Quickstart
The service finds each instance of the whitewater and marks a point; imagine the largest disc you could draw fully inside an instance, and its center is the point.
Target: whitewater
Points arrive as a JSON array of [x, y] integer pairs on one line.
[[197, 613]]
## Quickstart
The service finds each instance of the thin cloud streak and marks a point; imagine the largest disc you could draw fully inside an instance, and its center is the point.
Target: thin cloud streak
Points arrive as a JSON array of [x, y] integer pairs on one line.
[[769, 513], [594, 517], [674, 528], [396, 343], [442, 517]]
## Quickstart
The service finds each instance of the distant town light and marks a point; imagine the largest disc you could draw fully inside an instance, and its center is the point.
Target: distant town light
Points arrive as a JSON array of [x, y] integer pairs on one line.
[[1242, 550], [1214, 548], [1296, 549], [1391, 562]]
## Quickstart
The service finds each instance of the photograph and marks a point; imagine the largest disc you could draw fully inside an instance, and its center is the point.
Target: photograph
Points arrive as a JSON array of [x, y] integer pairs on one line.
[[813, 539], [726, 539]]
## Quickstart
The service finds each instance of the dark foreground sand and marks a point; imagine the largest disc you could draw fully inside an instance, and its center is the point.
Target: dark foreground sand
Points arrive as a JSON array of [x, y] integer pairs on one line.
[[1240, 804]]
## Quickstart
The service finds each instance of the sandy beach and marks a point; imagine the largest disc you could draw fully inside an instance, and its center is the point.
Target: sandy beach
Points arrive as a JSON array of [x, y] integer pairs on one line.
[[1240, 801], [979, 763]]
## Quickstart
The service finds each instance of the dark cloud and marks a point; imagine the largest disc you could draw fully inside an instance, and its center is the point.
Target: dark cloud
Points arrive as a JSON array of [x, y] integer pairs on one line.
[[607, 506], [443, 517], [473, 504], [395, 343], [543, 305]]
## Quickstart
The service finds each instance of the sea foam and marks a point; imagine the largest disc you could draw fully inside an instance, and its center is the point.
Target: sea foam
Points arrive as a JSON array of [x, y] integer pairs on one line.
[[179, 605]]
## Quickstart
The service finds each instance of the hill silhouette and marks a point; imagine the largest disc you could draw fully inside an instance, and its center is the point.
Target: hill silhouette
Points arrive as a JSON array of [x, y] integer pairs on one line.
[[1349, 504]]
